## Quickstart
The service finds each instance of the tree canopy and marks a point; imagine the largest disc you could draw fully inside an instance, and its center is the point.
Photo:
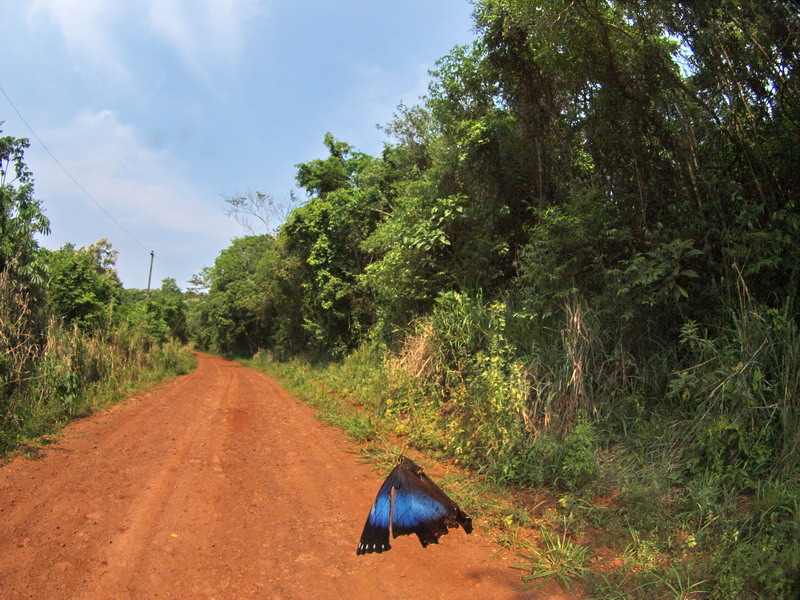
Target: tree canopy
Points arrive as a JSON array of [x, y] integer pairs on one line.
[[642, 155]]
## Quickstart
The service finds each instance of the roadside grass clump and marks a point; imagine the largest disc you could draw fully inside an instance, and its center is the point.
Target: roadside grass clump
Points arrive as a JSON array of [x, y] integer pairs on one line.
[[359, 425], [555, 556], [71, 373], [628, 584], [675, 476]]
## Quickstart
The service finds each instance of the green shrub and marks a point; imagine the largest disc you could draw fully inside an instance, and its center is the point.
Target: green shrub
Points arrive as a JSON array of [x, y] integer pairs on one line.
[[76, 373], [755, 568], [739, 453], [579, 466], [570, 463]]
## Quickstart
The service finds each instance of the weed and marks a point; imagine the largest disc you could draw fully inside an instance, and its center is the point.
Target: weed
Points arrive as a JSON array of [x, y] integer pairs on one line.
[[357, 426], [69, 373], [579, 456], [680, 586], [560, 558], [384, 455], [641, 554], [619, 585]]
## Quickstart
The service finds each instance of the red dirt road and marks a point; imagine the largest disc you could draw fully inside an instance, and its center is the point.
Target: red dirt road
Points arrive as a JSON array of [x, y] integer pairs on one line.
[[216, 485]]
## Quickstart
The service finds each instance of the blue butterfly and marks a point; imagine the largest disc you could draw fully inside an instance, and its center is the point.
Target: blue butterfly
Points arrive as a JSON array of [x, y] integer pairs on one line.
[[409, 502]]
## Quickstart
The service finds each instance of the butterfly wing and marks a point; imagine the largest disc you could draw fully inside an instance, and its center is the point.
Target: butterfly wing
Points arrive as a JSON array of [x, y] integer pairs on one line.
[[416, 511], [410, 502], [421, 507], [375, 537]]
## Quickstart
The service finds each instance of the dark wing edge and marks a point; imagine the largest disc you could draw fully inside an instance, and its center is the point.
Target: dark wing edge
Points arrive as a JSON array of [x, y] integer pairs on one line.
[[373, 539]]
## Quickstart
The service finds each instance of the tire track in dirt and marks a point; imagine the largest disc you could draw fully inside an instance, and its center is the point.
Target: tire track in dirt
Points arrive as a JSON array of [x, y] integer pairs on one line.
[[118, 434], [216, 485], [132, 546]]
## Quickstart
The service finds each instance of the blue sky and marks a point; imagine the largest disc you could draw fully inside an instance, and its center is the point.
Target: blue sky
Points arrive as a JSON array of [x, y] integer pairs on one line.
[[160, 109]]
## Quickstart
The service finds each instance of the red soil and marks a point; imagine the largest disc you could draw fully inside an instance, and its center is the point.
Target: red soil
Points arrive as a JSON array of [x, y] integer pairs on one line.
[[218, 484]]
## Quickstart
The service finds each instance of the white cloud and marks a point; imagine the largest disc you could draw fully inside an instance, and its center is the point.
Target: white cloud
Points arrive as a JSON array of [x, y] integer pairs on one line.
[[205, 34], [203, 31], [150, 193], [86, 26], [143, 189]]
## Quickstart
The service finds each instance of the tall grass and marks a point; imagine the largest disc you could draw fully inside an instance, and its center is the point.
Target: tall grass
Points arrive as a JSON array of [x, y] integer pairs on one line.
[[52, 373], [745, 382], [695, 445]]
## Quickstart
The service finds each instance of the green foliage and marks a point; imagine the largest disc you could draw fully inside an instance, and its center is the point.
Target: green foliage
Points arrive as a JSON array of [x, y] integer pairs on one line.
[[168, 306], [745, 379], [299, 289], [659, 273], [569, 464], [560, 558], [575, 265], [340, 170], [21, 216], [324, 236], [81, 289], [23, 315], [75, 374], [233, 315], [766, 566], [578, 462]]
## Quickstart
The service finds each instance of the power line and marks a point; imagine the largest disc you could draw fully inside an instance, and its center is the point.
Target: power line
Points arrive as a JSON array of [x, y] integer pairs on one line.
[[80, 187], [176, 262], [75, 181]]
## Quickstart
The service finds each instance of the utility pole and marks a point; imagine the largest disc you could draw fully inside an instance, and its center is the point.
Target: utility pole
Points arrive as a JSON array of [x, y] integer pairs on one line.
[[150, 274]]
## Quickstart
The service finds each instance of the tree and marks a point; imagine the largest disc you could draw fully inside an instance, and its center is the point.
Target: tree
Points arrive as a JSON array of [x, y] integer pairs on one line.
[[233, 314], [324, 236], [630, 154], [340, 170], [80, 289], [21, 215], [104, 255], [168, 306], [23, 318], [267, 212], [165, 313]]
